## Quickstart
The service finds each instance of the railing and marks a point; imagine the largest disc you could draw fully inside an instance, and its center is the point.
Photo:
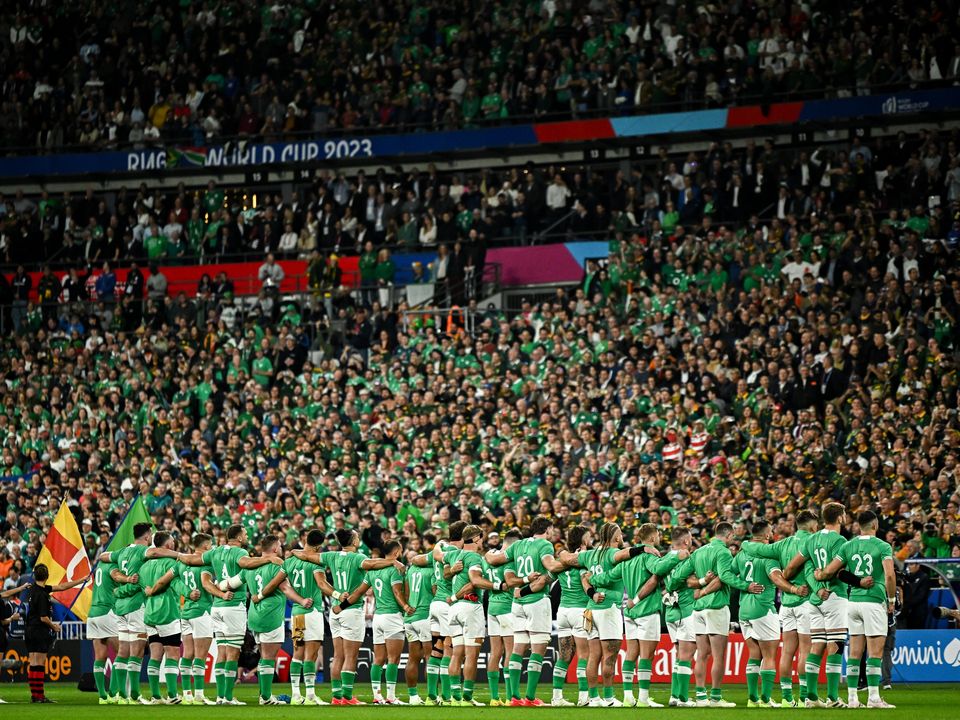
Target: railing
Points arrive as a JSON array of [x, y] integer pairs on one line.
[[334, 134]]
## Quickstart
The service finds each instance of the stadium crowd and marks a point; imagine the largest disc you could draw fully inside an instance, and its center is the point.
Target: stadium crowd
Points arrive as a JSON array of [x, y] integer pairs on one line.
[[193, 74], [713, 366]]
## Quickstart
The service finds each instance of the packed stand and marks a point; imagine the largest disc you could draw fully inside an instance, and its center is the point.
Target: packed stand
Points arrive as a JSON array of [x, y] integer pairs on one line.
[[712, 366], [194, 74]]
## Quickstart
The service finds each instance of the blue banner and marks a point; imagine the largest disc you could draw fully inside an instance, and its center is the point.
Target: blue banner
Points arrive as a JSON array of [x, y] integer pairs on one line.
[[895, 103], [494, 139], [927, 656]]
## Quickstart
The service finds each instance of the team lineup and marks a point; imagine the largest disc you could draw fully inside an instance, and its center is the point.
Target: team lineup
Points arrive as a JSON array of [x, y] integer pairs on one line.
[[814, 592]]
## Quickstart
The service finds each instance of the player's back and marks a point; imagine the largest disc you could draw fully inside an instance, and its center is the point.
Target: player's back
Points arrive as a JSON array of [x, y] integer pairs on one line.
[[864, 557], [419, 591], [163, 607], [263, 615], [345, 569], [300, 574], [102, 602], [821, 548], [527, 558], [191, 579], [382, 582], [572, 594], [753, 569], [224, 562]]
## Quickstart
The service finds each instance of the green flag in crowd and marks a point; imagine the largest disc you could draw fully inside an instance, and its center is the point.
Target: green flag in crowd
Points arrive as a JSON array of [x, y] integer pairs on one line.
[[135, 515]]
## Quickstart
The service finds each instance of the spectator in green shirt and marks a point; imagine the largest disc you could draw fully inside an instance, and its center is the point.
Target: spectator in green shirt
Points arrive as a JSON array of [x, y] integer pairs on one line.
[[384, 274]]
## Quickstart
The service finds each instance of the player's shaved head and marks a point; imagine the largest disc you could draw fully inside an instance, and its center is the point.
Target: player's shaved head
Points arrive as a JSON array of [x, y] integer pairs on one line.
[[807, 519], [680, 535], [867, 519], [723, 529], [345, 537]]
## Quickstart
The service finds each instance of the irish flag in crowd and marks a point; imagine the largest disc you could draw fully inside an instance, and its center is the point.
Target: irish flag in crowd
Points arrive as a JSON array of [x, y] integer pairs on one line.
[[136, 514], [66, 559]]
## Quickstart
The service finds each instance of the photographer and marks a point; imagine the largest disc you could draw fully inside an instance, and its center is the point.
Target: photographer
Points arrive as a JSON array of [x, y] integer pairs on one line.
[[8, 615]]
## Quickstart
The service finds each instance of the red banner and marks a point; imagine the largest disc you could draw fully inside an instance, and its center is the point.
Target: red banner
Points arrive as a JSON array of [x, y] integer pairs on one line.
[[186, 278], [665, 656]]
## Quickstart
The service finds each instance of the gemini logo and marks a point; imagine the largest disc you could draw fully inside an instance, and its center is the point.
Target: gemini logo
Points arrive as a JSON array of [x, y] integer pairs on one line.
[[951, 653]]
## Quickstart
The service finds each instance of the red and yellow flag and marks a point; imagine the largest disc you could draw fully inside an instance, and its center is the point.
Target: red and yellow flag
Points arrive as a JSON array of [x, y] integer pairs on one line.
[[66, 559]]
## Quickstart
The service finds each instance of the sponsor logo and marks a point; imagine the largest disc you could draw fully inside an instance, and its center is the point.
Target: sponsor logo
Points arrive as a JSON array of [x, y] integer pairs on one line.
[[894, 105], [951, 653], [926, 654]]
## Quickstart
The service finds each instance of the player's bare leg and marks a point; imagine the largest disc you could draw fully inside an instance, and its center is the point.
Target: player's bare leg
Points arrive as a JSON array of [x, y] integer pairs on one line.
[[700, 669], [791, 643]]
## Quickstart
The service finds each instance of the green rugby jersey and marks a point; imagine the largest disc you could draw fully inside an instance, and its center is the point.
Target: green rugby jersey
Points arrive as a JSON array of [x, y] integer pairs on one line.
[[443, 585], [752, 569], [267, 614], [190, 580], [419, 592], [527, 557], [676, 582], [224, 561], [382, 582], [783, 551], [605, 576], [499, 603], [572, 594], [820, 550], [864, 556], [130, 597], [636, 571], [345, 569], [301, 577], [103, 601], [470, 560], [162, 608], [715, 556]]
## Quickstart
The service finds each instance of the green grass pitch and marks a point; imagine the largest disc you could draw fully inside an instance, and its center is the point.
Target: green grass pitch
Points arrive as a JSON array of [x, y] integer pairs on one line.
[[916, 702]]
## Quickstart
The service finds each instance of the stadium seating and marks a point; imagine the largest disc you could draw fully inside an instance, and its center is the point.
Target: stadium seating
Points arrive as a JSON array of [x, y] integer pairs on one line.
[[137, 75]]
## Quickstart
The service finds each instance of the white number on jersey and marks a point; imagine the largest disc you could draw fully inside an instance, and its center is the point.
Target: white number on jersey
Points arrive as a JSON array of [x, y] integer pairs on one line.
[[864, 565], [749, 565], [524, 565]]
